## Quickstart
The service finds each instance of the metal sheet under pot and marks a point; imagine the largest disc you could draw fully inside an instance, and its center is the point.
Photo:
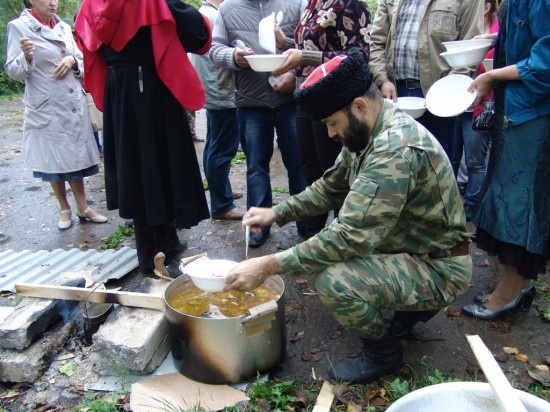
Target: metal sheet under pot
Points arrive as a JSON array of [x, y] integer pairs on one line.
[[227, 350]]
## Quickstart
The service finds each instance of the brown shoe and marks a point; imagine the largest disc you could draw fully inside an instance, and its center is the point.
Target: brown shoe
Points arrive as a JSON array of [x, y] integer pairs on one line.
[[233, 214], [237, 195]]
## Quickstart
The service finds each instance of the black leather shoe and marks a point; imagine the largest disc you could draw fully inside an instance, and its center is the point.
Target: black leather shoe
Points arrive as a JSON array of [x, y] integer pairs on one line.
[[173, 269], [377, 359], [403, 322], [258, 239], [179, 247]]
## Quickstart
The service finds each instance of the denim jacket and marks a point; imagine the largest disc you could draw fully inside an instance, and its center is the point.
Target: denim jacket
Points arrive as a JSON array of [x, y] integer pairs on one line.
[[528, 47]]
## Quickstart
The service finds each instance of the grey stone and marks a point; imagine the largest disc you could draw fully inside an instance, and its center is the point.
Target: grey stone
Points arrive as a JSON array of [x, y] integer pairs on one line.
[[28, 365], [132, 341], [33, 316]]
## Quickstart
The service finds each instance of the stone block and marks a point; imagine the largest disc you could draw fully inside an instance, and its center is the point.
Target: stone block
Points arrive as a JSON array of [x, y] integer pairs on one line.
[[132, 341], [28, 365]]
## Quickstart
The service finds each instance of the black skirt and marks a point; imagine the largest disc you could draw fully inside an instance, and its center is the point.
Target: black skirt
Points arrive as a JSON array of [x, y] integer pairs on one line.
[[151, 168]]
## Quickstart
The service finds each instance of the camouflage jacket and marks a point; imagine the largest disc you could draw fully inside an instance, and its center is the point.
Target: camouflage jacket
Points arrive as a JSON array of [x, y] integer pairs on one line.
[[398, 196]]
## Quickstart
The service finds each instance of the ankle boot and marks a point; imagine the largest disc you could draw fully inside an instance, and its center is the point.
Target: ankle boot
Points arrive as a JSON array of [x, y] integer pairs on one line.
[[403, 322], [378, 358]]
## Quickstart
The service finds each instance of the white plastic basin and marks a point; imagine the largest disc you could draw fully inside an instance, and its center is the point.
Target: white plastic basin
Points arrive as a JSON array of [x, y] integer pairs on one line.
[[461, 397]]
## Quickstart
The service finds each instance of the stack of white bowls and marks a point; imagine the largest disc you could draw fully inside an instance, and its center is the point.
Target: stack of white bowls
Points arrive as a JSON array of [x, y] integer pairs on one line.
[[465, 53]]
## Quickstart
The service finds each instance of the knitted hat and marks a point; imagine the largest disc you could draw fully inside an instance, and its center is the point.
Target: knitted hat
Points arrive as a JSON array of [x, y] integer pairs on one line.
[[334, 85]]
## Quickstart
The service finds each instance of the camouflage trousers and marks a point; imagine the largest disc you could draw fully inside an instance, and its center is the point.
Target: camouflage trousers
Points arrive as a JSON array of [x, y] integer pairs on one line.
[[355, 291]]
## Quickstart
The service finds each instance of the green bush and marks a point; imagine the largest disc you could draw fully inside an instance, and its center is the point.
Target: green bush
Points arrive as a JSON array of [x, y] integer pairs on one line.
[[8, 86]]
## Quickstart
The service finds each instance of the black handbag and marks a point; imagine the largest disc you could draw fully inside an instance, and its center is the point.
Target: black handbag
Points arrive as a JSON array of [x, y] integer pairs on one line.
[[484, 121]]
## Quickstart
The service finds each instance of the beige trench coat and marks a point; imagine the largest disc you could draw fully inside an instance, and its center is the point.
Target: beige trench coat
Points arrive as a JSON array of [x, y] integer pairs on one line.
[[57, 132]]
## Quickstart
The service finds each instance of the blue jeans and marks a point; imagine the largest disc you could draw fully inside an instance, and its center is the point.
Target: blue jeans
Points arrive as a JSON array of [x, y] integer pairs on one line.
[[222, 140], [256, 126], [476, 146], [441, 127]]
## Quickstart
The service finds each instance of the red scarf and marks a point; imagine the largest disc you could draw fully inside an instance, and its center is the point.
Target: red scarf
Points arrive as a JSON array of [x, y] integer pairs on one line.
[[115, 23], [52, 22]]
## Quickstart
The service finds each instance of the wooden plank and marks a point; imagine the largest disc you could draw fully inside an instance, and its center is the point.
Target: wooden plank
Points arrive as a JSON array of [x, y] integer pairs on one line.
[[325, 398], [499, 383], [139, 300]]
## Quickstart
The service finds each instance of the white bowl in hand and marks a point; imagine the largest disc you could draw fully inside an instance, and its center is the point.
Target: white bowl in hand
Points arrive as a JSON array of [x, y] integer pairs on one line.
[[465, 57], [209, 274], [265, 62], [466, 44], [413, 106]]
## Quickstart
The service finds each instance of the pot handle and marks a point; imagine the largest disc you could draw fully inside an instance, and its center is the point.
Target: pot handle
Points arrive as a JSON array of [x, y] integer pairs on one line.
[[259, 319]]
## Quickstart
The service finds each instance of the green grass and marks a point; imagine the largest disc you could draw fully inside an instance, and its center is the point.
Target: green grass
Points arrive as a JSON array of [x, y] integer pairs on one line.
[[239, 158], [95, 402], [113, 241], [280, 190]]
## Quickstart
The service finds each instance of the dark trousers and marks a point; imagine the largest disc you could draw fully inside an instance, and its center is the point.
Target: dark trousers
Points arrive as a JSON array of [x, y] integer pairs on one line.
[[318, 153]]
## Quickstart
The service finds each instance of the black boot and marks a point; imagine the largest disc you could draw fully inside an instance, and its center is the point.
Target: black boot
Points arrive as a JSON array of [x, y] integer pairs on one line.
[[151, 240], [378, 358], [403, 322]]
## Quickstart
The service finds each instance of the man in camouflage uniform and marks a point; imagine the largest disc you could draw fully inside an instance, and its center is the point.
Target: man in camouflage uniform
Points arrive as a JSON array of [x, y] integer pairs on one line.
[[400, 240]]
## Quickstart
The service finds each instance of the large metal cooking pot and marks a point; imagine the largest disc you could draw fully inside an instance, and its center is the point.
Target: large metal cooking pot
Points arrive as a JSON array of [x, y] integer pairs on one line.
[[227, 350]]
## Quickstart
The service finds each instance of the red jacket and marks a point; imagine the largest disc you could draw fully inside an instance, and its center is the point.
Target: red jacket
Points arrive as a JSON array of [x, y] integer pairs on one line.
[[115, 22]]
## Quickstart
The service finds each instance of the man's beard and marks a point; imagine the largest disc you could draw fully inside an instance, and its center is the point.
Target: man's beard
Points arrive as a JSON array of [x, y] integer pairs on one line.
[[357, 135]]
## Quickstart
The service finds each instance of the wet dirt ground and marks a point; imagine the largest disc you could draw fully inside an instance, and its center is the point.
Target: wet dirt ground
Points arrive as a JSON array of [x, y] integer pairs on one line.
[[28, 220]]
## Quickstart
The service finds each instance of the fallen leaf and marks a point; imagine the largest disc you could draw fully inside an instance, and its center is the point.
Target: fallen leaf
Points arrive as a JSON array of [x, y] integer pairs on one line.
[[501, 327], [452, 312], [540, 375], [302, 398], [542, 368], [315, 350], [510, 351], [335, 335], [353, 407], [483, 264], [68, 369], [298, 336], [502, 357], [522, 357]]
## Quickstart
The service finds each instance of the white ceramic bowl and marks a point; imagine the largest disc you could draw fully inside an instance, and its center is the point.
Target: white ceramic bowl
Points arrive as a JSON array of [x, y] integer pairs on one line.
[[208, 274], [265, 62], [413, 106], [466, 44], [465, 57]]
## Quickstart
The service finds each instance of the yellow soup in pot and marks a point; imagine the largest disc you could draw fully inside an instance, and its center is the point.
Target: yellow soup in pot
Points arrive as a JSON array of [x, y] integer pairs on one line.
[[196, 302]]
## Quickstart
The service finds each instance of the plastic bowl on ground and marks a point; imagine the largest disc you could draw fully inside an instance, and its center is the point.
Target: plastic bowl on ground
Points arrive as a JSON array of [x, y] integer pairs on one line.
[[466, 44], [465, 57], [265, 62], [413, 106], [461, 397], [208, 274]]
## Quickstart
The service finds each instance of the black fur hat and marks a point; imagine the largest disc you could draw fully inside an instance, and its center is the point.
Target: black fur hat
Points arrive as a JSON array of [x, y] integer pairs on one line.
[[334, 85]]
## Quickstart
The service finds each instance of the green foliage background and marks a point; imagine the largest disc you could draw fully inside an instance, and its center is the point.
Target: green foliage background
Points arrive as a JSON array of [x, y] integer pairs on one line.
[[10, 9]]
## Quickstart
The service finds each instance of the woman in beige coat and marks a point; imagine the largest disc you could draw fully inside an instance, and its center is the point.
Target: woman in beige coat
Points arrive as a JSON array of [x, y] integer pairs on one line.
[[58, 141]]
